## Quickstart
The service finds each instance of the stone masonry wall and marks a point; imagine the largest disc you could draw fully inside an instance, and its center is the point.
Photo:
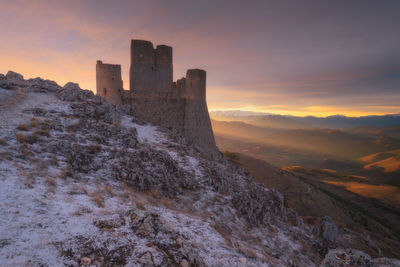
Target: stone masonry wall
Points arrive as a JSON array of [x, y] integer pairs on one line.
[[164, 109], [109, 82], [151, 69], [197, 124]]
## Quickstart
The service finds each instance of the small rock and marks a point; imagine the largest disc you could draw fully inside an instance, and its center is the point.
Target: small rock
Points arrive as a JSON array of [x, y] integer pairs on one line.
[[347, 257], [110, 223], [185, 263], [86, 261], [50, 195], [147, 259], [326, 229], [243, 261]]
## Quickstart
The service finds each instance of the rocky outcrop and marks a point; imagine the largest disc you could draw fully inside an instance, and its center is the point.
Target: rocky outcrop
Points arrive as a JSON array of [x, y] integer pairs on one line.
[[352, 257], [326, 229], [107, 191], [39, 85], [14, 76]]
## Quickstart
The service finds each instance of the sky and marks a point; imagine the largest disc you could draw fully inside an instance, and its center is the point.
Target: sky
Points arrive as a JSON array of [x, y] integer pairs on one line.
[[304, 57]]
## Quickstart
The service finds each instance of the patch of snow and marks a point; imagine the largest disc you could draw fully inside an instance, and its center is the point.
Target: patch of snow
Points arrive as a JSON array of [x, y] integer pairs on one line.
[[146, 133], [36, 217]]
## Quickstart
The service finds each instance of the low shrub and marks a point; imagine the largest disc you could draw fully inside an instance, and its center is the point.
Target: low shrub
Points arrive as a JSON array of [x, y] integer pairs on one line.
[[23, 127], [21, 138], [98, 199], [51, 181]]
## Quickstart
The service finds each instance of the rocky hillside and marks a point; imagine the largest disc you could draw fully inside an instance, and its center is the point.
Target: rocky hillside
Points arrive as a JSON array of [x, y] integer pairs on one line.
[[85, 183]]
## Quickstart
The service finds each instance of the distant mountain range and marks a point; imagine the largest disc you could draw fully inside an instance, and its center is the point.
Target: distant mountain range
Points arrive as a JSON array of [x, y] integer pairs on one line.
[[294, 122], [346, 144]]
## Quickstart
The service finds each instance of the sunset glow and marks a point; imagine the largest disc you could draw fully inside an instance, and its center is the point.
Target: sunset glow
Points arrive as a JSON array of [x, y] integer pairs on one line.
[[385, 193], [263, 57]]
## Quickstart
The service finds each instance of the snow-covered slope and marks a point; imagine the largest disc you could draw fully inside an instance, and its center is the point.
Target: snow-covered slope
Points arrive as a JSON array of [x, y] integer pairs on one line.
[[82, 183]]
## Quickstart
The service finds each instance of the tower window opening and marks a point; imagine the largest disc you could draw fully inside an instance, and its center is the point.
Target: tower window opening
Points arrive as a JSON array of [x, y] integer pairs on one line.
[[104, 91]]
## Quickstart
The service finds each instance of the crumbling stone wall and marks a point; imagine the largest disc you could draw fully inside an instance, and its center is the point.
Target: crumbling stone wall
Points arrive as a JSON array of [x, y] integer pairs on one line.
[[109, 82]]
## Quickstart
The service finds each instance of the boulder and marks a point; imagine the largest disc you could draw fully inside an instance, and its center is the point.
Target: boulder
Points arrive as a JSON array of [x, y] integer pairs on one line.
[[40, 85], [72, 86], [347, 257], [86, 261], [326, 229], [72, 92], [14, 76]]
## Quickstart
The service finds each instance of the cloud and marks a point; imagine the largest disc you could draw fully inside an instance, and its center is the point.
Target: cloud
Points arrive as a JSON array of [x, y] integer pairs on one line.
[[260, 53]]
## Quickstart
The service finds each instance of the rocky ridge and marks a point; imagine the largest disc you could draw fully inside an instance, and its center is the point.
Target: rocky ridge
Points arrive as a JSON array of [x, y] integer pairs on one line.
[[82, 182]]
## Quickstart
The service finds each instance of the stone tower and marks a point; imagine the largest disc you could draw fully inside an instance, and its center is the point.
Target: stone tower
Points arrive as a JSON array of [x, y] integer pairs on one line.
[[109, 82], [151, 69], [197, 125]]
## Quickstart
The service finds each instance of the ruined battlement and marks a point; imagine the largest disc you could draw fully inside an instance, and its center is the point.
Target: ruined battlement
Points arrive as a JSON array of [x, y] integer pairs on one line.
[[151, 69], [154, 97], [195, 83]]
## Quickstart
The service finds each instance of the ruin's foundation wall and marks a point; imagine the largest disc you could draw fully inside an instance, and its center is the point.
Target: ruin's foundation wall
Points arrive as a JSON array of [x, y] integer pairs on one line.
[[164, 109]]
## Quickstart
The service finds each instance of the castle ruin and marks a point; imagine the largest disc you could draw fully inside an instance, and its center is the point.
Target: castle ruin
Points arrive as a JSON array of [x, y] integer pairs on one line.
[[155, 98]]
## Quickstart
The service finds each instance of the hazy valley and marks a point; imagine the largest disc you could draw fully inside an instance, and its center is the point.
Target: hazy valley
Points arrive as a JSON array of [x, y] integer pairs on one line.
[[350, 174]]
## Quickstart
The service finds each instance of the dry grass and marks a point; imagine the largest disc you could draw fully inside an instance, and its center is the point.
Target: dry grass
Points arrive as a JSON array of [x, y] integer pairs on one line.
[[80, 211], [247, 251], [77, 189], [386, 193], [29, 185], [154, 194], [51, 182], [109, 190], [140, 204], [136, 196], [25, 153], [167, 203], [6, 155], [23, 127], [98, 199], [223, 232], [21, 138], [42, 132], [33, 138], [125, 195], [45, 125], [34, 122], [77, 213], [66, 172], [28, 175]]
